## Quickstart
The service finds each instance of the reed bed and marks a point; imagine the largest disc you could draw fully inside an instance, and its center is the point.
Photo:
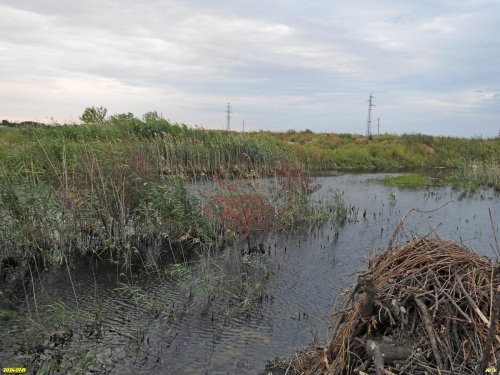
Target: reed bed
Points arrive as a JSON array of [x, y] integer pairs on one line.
[[114, 189], [426, 307], [474, 175]]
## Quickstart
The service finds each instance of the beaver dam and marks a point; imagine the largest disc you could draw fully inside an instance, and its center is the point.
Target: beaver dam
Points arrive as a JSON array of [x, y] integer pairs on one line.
[[426, 307]]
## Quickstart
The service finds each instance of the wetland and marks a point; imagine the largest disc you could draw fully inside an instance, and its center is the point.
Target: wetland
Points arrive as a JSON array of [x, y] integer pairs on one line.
[[144, 246]]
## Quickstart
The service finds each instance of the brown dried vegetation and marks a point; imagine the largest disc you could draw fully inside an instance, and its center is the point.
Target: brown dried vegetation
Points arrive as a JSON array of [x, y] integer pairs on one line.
[[425, 307]]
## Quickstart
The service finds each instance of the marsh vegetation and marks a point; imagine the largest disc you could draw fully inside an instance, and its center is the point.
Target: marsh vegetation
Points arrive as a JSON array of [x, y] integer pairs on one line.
[[171, 222]]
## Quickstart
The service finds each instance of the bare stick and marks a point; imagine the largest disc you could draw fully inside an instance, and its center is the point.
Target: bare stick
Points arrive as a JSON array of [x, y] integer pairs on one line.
[[493, 322], [464, 314], [471, 301], [400, 225], [494, 234], [430, 332]]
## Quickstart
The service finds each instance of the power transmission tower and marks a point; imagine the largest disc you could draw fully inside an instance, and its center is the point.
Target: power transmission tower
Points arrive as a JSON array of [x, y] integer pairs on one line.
[[378, 125], [369, 121], [228, 111], [243, 126]]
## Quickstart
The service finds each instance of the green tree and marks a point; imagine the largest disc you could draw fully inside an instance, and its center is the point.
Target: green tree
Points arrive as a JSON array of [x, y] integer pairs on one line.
[[151, 116], [94, 115], [124, 118]]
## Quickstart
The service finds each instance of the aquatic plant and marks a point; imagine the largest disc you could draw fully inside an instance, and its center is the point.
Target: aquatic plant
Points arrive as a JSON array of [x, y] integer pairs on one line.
[[408, 181], [40, 337], [293, 180], [474, 174], [244, 213], [392, 197]]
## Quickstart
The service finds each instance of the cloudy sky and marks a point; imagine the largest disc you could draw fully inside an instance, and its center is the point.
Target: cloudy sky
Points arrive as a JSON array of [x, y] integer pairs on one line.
[[433, 66]]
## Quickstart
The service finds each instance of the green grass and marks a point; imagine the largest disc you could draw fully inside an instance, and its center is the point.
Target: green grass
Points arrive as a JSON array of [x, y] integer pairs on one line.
[[117, 189], [408, 181], [347, 151], [194, 151]]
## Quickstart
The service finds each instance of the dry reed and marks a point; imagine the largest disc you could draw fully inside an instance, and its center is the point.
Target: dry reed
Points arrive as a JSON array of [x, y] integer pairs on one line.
[[425, 307]]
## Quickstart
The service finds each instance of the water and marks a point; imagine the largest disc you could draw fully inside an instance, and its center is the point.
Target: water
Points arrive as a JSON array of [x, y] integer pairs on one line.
[[308, 270]]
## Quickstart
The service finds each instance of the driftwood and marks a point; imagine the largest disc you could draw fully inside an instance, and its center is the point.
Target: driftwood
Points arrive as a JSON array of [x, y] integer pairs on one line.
[[427, 307], [382, 352], [388, 352]]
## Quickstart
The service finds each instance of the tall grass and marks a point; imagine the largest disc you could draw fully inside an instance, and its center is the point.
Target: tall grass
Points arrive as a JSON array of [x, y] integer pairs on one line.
[[346, 151], [112, 205], [474, 175], [114, 189]]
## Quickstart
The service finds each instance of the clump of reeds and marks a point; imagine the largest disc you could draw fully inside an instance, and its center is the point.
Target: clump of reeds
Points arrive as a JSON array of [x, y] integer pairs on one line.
[[246, 211], [115, 188], [474, 175], [429, 306], [112, 204]]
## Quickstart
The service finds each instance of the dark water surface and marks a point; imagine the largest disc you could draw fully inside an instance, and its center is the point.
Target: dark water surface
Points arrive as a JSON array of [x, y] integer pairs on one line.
[[308, 270]]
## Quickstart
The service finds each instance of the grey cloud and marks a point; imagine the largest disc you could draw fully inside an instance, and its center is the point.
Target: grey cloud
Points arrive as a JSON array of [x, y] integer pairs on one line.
[[313, 62]]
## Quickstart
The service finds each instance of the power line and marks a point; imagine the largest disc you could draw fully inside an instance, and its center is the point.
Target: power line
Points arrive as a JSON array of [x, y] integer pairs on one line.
[[369, 121]]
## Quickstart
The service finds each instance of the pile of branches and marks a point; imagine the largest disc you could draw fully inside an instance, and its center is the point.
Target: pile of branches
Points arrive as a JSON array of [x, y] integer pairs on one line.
[[427, 307]]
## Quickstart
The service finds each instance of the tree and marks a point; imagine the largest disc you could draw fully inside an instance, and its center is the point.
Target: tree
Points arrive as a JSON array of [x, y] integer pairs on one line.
[[151, 116], [124, 118], [94, 115]]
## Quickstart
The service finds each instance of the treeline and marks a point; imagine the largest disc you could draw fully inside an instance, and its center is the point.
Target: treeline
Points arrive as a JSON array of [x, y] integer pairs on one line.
[[11, 124]]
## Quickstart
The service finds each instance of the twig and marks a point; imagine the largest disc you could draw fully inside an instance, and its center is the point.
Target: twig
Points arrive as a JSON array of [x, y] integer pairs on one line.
[[494, 234], [342, 311], [471, 301], [493, 322], [464, 314], [401, 223], [430, 332]]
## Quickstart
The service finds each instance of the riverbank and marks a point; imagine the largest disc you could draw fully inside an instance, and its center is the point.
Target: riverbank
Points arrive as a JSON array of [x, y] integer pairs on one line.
[[117, 194], [196, 151]]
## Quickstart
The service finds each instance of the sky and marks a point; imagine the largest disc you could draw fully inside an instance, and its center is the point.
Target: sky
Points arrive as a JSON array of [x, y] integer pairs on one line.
[[433, 66]]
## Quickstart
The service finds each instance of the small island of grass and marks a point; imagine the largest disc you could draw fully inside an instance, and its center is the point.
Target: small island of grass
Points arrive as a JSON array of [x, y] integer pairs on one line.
[[409, 180]]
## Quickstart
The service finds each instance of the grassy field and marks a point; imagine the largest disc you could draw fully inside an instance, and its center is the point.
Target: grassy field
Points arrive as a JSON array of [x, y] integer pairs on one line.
[[347, 151], [197, 151]]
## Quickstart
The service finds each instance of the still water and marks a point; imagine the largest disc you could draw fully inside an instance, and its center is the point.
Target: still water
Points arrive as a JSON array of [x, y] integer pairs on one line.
[[307, 270]]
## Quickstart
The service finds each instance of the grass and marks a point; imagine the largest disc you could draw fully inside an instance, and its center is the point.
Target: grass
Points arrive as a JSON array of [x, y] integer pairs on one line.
[[408, 181], [348, 151], [118, 191], [111, 189]]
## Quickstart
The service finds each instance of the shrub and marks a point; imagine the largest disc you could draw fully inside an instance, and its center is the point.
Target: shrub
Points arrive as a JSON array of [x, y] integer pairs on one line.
[[94, 115]]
